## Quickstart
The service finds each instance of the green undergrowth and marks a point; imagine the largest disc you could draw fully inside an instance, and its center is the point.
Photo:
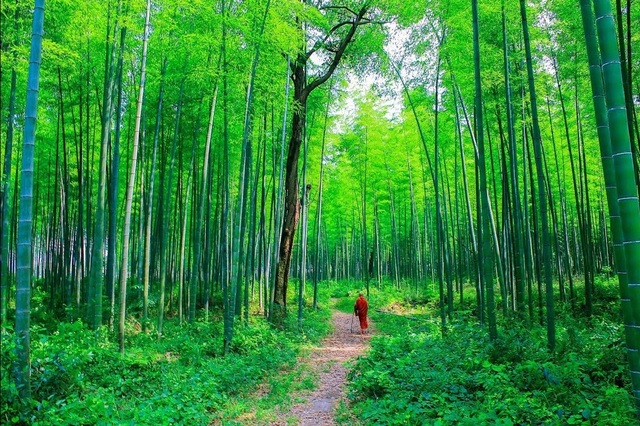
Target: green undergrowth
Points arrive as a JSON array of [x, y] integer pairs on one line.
[[269, 400], [386, 296], [79, 377], [413, 375]]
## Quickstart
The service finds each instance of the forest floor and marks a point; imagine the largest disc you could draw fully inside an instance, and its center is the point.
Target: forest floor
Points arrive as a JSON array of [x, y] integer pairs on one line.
[[327, 363]]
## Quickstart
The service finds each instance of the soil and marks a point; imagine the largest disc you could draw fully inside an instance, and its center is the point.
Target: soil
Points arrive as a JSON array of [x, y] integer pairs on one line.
[[327, 362]]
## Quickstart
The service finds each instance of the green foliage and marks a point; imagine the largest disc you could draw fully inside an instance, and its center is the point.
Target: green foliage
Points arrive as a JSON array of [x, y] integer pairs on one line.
[[414, 375], [79, 377]]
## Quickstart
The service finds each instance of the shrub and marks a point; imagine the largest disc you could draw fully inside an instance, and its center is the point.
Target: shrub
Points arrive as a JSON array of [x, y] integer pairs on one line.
[[415, 375]]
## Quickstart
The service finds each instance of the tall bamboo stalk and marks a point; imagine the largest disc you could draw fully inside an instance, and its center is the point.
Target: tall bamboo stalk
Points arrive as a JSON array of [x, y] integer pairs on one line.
[[6, 211], [542, 196], [26, 213], [97, 254], [485, 251], [124, 272], [166, 213], [517, 233], [627, 192], [149, 204]]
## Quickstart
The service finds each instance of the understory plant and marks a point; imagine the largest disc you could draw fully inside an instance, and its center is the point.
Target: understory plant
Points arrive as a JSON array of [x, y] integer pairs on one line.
[[415, 374], [79, 376]]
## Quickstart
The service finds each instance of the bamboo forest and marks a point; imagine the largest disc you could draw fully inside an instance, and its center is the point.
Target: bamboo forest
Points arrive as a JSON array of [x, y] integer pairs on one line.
[[320, 212]]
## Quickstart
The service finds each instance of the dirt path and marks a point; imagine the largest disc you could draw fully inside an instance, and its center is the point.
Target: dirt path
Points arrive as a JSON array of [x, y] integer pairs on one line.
[[328, 363]]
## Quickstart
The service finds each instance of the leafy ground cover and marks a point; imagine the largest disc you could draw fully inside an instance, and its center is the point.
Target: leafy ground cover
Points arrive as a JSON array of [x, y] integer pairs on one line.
[[79, 377], [415, 375]]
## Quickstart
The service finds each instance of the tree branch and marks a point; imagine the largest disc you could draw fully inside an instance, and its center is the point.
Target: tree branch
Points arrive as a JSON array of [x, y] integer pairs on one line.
[[348, 9], [318, 45], [360, 20]]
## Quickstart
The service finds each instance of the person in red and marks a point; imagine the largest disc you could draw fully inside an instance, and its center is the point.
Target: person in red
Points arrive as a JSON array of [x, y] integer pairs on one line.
[[360, 310]]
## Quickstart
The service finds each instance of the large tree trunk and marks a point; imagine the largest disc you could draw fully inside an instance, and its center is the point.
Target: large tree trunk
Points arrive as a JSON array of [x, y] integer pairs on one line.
[[302, 89], [291, 200]]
